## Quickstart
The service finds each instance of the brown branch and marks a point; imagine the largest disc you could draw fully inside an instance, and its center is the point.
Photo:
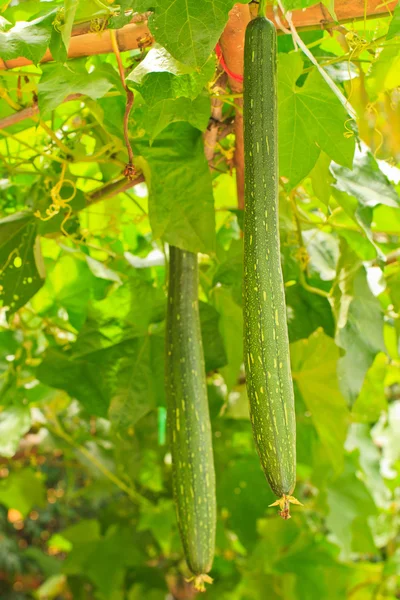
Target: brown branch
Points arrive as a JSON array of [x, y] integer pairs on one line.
[[211, 134], [232, 45], [130, 172], [112, 189]]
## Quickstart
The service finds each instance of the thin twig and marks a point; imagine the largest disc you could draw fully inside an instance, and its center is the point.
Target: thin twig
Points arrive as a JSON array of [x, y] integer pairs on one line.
[[112, 189], [129, 95]]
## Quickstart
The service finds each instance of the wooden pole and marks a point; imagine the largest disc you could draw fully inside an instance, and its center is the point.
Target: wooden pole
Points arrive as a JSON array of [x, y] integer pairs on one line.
[[88, 44], [232, 45]]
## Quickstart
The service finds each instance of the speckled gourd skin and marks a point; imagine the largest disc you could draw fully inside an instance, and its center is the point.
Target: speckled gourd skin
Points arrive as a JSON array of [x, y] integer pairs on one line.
[[188, 419], [266, 344]]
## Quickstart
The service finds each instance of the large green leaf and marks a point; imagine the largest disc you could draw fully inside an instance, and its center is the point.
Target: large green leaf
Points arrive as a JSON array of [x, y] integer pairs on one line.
[[307, 312], [70, 285], [180, 192], [394, 27], [139, 304], [70, 8], [116, 357], [314, 364], [59, 81], [160, 77], [359, 331], [120, 377], [365, 181], [370, 461], [189, 29], [172, 110], [29, 39], [311, 118], [350, 505], [21, 263], [231, 328], [371, 401], [101, 559]]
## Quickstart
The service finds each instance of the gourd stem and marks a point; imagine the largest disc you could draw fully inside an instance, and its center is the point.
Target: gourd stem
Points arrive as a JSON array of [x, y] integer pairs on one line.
[[262, 8]]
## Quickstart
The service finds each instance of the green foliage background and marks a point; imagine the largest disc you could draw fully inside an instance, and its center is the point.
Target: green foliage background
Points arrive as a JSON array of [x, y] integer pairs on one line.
[[85, 492]]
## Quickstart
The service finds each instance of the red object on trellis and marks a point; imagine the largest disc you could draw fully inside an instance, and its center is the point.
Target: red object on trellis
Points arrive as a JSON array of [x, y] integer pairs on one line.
[[223, 64]]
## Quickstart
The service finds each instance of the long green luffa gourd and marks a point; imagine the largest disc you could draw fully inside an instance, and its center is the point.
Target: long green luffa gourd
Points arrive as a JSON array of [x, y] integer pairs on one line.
[[266, 345], [188, 420]]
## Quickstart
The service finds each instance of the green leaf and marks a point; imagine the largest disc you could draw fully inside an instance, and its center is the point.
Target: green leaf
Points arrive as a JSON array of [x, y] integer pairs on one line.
[[394, 27], [160, 77], [365, 181], [189, 29], [307, 312], [311, 118], [15, 421], [21, 263], [160, 519], [349, 501], [120, 377], [28, 39], [59, 81], [359, 438], [138, 378], [313, 563], [70, 7], [180, 192], [372, 402], [116, 362], [384, 74], [56, 46], [314, 363], [196, 112], [69, 284], [231, 328], [359, 332], [101, 559], [82, 380], [22, 491], [322, 179], [139, 304], [235, 494], [362, 215], [323, 250]]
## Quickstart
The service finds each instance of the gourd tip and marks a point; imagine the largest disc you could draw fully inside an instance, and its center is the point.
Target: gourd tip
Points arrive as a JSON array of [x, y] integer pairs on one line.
[[284, 504], [199, 581]]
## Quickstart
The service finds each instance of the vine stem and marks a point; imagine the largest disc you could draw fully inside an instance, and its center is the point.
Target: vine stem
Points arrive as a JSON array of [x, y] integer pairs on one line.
[[129, 94], [133, 495]]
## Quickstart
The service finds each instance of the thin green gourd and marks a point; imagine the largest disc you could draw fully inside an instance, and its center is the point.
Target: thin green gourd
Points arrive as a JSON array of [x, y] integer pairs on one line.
[[266, 344], [188, 418]]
